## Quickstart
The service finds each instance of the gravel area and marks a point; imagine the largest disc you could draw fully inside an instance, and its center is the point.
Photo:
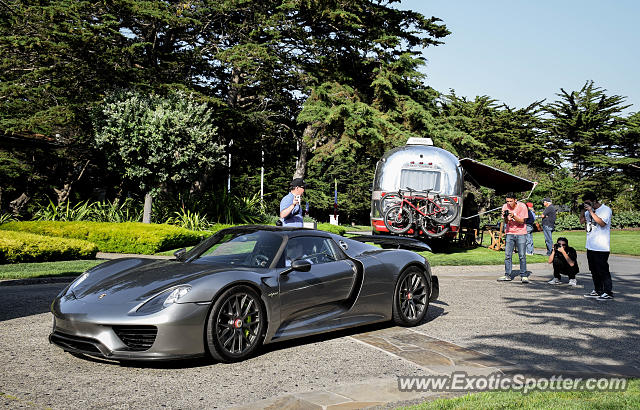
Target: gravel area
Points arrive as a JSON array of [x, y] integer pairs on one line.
[[525, 324], [33, 372], [538, 323]]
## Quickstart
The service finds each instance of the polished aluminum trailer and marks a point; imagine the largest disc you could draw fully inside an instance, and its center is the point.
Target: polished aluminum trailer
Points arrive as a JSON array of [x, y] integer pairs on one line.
[[420, 166]]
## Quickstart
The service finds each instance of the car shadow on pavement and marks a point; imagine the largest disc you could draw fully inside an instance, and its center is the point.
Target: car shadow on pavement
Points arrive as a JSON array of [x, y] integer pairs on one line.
[[581, 331], [22, 301]]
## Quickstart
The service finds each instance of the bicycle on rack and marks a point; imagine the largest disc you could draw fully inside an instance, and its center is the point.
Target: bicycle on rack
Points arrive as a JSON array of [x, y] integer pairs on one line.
[[417, 209]]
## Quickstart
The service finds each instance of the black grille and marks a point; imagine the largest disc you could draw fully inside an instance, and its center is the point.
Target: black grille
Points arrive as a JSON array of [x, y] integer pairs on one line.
[[75, 343], [137, 338]]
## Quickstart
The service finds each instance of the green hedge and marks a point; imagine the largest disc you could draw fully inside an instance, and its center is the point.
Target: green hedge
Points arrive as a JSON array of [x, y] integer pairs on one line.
[[18, 247], [623, 219], [337, 229], [127, 237]]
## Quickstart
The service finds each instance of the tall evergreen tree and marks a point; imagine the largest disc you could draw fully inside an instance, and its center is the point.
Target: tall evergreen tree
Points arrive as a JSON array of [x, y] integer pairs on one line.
[[584, 126]]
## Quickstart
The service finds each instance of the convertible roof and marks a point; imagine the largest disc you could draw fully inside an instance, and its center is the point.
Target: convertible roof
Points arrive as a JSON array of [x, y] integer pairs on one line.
[[490, 177]]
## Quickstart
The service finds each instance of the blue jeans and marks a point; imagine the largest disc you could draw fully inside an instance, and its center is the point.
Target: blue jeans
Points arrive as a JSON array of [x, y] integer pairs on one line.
[[529, 239], [548, 240], [512, 241]]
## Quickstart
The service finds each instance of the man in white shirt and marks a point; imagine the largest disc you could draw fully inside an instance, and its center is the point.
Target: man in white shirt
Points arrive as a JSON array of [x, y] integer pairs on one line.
[[597, 220]]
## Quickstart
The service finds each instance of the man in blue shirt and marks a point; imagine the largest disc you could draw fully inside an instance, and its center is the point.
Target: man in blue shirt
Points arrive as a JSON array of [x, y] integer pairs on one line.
[[290, 208]]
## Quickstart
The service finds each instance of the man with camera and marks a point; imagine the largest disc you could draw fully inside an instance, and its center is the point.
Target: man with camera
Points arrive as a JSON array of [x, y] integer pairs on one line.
[[597, 220], [515, 213], [290, 208], [565, 262]]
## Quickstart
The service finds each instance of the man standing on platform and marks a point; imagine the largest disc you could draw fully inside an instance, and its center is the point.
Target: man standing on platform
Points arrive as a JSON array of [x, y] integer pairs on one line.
[[290, 208]]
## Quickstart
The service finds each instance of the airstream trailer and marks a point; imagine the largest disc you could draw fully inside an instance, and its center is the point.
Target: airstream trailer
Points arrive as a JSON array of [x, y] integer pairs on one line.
[[420, 166]]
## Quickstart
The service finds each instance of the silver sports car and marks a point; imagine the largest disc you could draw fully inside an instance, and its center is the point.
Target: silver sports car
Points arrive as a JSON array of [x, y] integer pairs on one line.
[[242, 287]]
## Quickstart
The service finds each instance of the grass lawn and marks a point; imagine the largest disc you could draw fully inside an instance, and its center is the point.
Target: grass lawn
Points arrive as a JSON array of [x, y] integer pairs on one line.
[[629, 399], [622, 242], [46, 269], [476, 256]]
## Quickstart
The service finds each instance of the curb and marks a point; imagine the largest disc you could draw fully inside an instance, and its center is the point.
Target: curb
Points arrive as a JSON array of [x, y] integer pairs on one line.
[[65, 279], [36, 281]]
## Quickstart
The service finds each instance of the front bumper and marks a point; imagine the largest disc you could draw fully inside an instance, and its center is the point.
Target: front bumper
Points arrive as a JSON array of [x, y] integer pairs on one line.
[[174, 333]]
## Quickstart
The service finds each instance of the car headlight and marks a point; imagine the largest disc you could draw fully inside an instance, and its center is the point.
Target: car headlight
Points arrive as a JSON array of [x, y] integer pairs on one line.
[[163, 299], [175, 295]]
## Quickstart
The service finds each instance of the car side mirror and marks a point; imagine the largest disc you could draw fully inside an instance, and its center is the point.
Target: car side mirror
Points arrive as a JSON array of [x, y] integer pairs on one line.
[[180, 253], [300, 265]]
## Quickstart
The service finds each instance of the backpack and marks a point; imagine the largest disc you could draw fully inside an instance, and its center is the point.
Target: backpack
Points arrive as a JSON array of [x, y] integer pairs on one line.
[[530, 218]]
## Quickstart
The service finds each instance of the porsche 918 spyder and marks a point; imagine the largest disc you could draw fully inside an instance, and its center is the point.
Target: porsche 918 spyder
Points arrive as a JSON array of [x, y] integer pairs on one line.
[[238, 289]]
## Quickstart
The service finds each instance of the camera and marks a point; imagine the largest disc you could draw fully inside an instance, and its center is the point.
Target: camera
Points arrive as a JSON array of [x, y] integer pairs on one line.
[[505, 214], [297, 199], [556, 246]]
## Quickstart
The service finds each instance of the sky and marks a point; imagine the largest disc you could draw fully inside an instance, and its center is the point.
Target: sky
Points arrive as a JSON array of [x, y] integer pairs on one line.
[[521, 51]]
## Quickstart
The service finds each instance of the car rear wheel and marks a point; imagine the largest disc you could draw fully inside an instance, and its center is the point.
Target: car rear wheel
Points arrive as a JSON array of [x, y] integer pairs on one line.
[[235, 326], [411, 298]]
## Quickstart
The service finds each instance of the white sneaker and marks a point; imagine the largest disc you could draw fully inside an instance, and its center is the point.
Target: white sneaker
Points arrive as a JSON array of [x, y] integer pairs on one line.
[[554, 281], [593, 294], [573, 282], [524, 279], [504, 278]]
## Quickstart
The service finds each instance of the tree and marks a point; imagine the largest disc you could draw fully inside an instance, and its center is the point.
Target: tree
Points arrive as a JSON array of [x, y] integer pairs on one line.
[[482, 129], [584, 128], [158, 141]]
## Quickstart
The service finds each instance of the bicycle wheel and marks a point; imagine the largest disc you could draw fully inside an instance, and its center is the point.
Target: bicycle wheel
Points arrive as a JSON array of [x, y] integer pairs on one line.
[[388, 201], [445, 209], [398, 219], [433, 230]]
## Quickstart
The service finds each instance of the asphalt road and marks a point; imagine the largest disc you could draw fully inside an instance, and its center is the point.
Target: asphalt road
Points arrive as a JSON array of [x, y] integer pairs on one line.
[[35, 373], [539, 324]]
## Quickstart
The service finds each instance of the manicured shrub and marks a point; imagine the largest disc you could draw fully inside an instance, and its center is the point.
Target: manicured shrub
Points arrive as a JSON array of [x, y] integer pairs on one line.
[[17, 247], [337, 229], [127, 237], [620, 220], [626, 219], [566, 221]]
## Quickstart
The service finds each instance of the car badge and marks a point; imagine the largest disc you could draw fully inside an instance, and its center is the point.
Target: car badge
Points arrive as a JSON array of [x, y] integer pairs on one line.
[[101, 296]]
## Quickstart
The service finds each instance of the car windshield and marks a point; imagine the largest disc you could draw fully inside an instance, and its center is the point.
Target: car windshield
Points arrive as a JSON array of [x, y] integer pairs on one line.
[[254, 249]]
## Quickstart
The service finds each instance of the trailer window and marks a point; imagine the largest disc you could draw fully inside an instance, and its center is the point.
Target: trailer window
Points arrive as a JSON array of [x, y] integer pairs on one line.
[[420, 179]]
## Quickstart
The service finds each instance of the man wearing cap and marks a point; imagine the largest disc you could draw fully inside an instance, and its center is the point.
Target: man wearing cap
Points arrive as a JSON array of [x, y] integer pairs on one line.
[[548, 223], [290, 209]]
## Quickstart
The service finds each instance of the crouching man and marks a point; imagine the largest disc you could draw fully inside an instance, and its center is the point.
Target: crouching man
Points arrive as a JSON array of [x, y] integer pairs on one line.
[[565, 262]]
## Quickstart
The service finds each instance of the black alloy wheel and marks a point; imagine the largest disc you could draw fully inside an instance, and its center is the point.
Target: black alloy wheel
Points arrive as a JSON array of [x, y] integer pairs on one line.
[[236, 324], [411, 298]]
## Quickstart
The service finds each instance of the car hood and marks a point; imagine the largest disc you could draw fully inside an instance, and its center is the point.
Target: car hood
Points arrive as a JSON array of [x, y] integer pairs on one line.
[[136, 279]]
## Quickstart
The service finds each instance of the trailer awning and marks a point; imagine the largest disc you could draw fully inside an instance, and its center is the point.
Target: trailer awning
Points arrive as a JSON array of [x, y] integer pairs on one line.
[[490, 177]]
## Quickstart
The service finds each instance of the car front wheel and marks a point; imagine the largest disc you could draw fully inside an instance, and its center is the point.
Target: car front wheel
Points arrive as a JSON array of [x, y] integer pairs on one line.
[[411, 298], [235, 326]]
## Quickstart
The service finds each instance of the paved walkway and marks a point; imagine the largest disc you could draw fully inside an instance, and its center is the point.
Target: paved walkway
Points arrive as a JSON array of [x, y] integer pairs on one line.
[[417, 346], [481, 326]]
